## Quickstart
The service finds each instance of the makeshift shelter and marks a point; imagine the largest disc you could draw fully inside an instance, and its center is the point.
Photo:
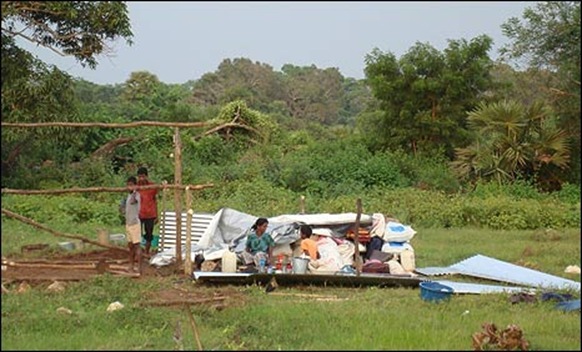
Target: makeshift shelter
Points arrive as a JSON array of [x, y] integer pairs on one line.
[[228, 228]]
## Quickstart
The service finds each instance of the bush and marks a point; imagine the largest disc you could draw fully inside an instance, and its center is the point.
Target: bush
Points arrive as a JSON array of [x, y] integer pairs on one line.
[[63, 209]]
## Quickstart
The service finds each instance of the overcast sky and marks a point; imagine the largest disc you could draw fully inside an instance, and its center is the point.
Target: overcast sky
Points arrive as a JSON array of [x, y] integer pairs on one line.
[[180, 41]]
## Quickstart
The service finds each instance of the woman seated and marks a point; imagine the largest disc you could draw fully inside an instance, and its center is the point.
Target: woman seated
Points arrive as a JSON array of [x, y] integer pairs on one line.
[[259, 244]]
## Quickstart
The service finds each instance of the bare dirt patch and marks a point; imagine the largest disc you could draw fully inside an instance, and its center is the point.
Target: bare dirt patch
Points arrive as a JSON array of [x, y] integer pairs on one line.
[[53, 266]]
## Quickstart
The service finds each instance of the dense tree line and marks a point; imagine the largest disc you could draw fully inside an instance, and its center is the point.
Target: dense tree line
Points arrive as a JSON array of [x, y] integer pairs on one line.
[[456, 111]]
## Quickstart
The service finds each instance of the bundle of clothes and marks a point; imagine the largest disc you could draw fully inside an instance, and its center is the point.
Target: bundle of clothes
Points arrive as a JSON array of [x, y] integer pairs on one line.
[[386, 247]]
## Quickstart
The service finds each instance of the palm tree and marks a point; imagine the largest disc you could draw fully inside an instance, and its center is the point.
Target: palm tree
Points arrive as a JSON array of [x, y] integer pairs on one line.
[[512, 141]]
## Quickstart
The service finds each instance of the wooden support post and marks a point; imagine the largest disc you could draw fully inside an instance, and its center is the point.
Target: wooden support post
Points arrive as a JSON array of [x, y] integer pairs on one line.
[[163, 218], [302, 205], [188, 259], [358, 261], [177, 194]]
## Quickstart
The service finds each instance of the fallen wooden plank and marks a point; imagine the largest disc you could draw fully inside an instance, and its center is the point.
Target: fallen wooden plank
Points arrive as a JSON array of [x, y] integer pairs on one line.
[[50, 266], [35, 277], [123, 273], [182, 302], [301, 295], [63, 261]]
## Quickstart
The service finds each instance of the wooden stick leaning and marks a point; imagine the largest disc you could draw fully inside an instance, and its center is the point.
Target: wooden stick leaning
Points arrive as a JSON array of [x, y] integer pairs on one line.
[[57, 233], [194, 328]]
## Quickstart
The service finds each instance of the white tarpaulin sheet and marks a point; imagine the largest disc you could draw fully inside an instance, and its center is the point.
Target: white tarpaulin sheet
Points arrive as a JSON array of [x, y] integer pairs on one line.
[[228, 228], [229, 225]]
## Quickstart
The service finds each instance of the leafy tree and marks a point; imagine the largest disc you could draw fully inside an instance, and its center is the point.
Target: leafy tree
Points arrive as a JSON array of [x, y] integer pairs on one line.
[[139, 86], [35, 92], [524, 86], [548, 38], [356, 98], [256, 122], [77, 28], [235, 79], [32, 92], [92, 93], [514, 141], [424, 95], [313, 94]]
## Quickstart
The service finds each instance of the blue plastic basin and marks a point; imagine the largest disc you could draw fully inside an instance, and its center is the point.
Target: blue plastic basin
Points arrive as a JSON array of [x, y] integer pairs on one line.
[[435, 292]]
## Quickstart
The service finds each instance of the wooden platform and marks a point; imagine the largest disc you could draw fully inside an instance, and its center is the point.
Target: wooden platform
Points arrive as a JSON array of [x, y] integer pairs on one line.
[[365, 279]]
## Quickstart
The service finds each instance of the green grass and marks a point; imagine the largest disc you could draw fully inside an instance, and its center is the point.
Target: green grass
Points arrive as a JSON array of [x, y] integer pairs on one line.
[[370, 319]]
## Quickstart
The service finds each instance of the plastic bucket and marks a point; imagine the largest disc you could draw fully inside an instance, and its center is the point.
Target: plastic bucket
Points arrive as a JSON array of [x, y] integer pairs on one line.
[[155, 242], [435, 292], [300, 265]]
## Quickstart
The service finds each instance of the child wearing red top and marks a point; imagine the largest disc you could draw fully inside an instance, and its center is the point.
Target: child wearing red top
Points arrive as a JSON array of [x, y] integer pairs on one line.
[[148, 212]]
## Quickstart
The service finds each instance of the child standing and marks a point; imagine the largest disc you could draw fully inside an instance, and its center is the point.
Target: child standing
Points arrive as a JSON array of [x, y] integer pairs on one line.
[[132, 224]]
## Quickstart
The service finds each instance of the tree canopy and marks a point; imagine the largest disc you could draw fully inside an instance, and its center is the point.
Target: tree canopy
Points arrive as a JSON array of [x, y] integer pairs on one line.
[[77, 28], [424, 95], [547, 38], [33, 91]]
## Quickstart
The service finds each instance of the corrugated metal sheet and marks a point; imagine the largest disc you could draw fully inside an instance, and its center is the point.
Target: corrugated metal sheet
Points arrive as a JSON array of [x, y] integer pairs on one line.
[[463, 287], [435, 271], [200, 222], [493, 269]]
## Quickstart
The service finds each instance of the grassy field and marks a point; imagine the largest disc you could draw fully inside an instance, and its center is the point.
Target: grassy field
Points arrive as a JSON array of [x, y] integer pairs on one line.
[[353, 318]]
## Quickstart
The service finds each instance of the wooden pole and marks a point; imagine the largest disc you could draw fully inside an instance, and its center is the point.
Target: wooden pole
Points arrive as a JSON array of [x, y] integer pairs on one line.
[[194, 328], [358, 258], [107, 125], [57, 233], [177, 194], [100, 189], [165, 221], [188, 259], [302, 205]]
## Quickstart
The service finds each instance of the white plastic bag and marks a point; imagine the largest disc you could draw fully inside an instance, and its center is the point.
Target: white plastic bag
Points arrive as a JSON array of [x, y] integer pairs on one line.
[[396, 232]]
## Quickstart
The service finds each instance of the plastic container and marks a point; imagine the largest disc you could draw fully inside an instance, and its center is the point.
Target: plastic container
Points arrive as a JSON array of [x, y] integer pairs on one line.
[[300, 265], [117, 238], [435, 292], [68, 246], [228, 262], [154, 244], [407, 260]]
